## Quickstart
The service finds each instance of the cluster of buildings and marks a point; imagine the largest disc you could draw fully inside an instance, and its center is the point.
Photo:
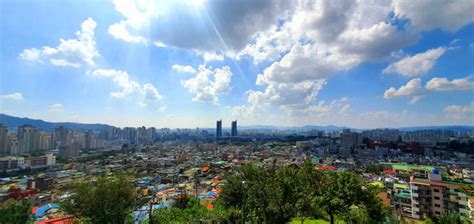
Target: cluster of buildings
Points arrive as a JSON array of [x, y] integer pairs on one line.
[[417, 192], [418, 180]]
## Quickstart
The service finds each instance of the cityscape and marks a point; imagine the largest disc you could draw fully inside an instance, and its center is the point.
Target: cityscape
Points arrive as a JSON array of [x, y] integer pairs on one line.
[[219, 111]]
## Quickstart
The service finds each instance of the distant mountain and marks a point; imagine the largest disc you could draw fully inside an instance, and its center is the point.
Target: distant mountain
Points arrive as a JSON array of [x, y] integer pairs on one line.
[[13, 122], [339, 128], [302, 128], [444, 128]]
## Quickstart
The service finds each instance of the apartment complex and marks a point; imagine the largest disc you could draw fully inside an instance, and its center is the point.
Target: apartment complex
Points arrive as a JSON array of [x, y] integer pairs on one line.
[[432, 196]]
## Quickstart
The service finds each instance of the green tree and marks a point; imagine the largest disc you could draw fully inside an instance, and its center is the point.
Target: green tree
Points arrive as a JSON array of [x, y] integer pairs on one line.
[[14, 212], [109, 201], [342, 192], [279, 194], [452, 218], [193, 212]]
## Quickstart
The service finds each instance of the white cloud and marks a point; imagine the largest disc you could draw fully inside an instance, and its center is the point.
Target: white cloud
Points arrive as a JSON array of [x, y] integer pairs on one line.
[[460, 112], [183, 68], [316, 41], [417, 65], [443, 84], [210, 56], [121, 79], [12, 96], [209, 84], [304, 63], [162, 109], [412, 88], [216, 25], [427, 14], [127, 85], [71, 52], [56, 108], [151, 93]]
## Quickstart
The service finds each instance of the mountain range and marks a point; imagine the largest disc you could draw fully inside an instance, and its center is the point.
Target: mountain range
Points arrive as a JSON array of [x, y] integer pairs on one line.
[[13, 122]]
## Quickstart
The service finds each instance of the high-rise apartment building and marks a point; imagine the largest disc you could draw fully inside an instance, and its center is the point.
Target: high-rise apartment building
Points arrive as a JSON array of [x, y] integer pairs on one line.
[[433, 196], [28, 139], [60, 136], [233, 132], [45, 141], [219, 129], [349, 138]]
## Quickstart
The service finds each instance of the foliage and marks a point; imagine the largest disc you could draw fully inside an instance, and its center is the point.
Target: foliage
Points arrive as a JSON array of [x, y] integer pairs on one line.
[[193, 212], [109, 201], [278, 195], [375, 169], [14, 212], [452, 218]]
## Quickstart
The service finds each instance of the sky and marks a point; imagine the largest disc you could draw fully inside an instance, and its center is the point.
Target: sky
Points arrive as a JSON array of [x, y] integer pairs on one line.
[[186, 64]]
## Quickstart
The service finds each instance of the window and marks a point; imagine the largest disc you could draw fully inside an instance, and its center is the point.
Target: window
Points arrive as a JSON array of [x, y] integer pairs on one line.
[[436, 190], [436, 198], [437, 205], [438, 213]]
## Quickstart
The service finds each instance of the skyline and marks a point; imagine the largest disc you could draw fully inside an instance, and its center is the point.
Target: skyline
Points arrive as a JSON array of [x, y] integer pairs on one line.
[[281, 63]]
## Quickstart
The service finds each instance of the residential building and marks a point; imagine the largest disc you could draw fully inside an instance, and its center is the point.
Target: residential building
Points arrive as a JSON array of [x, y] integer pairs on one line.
[[28, 139], [433, 196], [349, 138]]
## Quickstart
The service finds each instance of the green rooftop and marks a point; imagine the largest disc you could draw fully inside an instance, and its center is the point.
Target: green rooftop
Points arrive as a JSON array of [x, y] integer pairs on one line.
[[377, 183], [400, 186], [408, 167]]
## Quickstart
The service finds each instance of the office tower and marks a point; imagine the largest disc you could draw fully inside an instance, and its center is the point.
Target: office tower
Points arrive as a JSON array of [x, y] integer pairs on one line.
[[28, 139], [234, 128], [219, 129], [4, 140]]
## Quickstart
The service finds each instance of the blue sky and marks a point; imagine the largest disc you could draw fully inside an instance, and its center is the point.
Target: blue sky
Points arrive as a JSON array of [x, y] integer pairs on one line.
[[189, 63]]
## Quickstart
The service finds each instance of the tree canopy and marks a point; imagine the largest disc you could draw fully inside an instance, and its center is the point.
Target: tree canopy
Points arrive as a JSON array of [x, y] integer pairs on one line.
[[278, 195], [109, 200], [15, 212]]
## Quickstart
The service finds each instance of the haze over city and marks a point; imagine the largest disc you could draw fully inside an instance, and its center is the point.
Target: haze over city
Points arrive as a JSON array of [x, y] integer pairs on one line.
[[286, 63]]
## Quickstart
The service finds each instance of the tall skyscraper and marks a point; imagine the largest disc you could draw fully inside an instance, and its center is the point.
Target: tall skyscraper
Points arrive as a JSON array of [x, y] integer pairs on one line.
[[4, 140], [28, 139], [234, 128], [219, 129]]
